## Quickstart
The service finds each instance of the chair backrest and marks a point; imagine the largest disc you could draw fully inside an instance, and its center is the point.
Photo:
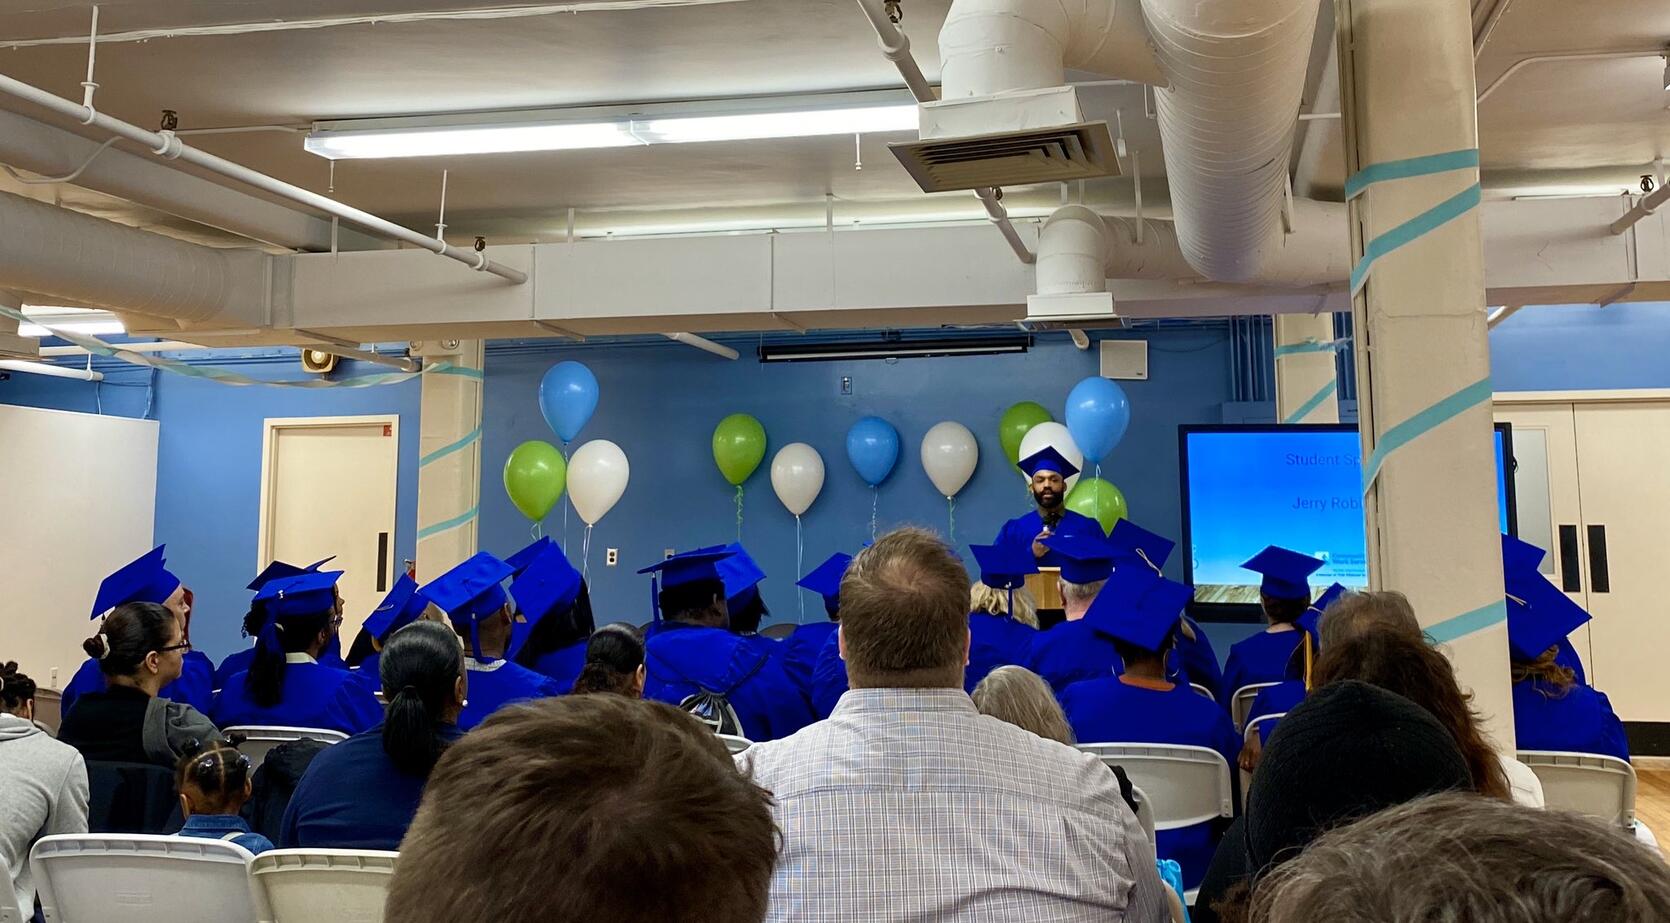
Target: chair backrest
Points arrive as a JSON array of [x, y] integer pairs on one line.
[[1241, 703], [1145, 812], [9, 912], [307, 885], [49, 709], [1187, 785], [94, 878], [1254, 728], [259, 740], [778, 631], [734, 743], [131, 798], [1203, 691], [1588, 783]]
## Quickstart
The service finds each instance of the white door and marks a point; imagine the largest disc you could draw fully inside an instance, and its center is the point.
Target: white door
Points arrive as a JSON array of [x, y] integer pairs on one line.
[[1547, 501], [1621, 452], [328, 488]]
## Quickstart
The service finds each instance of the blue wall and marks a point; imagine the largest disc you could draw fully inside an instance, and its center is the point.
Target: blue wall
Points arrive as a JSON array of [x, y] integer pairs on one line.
[[209, 463], [1582, 347], [660, 404]]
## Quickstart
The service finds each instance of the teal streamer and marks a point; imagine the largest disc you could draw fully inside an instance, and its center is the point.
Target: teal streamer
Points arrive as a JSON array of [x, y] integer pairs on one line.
[[1422, 423], [1312, 345], [1315, 401], [1425, 165], [951, 514], [452, 523], [739, 512], [1414, 229], [1469, 622], [440, 453]]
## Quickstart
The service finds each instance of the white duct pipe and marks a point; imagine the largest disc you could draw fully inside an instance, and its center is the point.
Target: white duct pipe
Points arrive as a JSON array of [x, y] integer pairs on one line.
[[1642, 209], [704, 344], [988, 47], [90, 261], [51, 371]]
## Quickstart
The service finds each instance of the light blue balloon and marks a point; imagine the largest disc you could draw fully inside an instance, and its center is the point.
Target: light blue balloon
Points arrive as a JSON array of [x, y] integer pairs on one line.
[[567, 397], [1098, 413], [873, 449]]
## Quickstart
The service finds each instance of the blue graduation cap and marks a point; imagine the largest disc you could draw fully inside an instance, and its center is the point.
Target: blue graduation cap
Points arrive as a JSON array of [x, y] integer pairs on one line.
[[1139, 607], [306, 593], [547, 585], [278, 569], [1004, 567], [1520, 556], [401, 607], [521, 559], [1048, 459], [1285, 572], [470, 592], [825, 579], [1132, 544], [683, 569], [144, 580], [1539, 615], [1086, 558], [1311, 621], [739, 572]]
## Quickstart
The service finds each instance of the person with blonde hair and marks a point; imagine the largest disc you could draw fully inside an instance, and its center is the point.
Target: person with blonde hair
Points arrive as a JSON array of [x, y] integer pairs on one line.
[[1003, 619]]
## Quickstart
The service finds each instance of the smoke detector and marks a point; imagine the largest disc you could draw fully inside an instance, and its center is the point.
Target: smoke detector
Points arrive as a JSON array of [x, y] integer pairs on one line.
[[1009, 139]]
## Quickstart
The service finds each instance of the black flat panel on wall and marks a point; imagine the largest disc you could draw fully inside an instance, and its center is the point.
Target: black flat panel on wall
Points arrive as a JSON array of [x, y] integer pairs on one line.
[[1648, 738]]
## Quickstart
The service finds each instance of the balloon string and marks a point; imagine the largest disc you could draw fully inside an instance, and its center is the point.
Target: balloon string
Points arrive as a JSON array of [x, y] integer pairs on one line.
[[951, 507], [875, 503], [585, 554], [533, 531], [565, 505], [739, 512], [799, 566]]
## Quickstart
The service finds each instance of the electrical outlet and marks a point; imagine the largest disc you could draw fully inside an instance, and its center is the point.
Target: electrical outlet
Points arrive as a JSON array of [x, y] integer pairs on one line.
[[53, 682], [846, 384], [666, 553], [611, 557]]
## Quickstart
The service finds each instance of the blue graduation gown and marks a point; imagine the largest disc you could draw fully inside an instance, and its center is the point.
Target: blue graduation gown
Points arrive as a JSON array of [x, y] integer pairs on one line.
[[829, 677], [995, 641], [801, 650], [1071, 652], [194, 687], [352, 797], [684, 659], [1261, 658], [331, 656], [493, 685], [1196, 662], [1275, 700], [313, 696], [771, 647], [1581, 721], [1114, 711], [1020, 531], [563, 665]]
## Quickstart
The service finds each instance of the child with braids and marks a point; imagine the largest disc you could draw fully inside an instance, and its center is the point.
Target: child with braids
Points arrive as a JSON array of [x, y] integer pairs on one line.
[[214, 782]]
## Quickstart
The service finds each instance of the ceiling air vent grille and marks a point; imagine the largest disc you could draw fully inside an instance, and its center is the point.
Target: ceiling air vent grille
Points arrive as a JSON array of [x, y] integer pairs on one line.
[[1014, 158]]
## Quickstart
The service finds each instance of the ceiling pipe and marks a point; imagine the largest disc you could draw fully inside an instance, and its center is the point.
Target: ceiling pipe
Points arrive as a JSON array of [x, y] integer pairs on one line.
[[987, 47], [161, 346], [704, 344], [51, 371], [1642, 209], [167, 145], [1525, 62]]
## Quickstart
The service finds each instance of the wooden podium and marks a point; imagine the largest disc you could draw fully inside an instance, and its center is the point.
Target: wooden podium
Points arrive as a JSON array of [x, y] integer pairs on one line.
[[1045, 589]]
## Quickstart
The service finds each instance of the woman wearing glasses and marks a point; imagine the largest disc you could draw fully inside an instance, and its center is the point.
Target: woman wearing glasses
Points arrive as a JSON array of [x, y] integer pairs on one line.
[[285, 684], [139, 648]]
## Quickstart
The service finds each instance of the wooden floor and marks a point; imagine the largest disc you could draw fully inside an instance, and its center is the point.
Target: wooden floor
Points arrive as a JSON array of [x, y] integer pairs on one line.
[[1652, 800]]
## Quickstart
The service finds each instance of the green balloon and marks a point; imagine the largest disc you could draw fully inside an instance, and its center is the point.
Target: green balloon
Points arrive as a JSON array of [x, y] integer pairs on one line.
[[1099, 500], [1016, 422], [534, 477], [738, 447]]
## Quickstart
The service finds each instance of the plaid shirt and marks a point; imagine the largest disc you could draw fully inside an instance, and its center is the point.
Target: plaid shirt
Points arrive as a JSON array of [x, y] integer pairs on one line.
[[908, 804]]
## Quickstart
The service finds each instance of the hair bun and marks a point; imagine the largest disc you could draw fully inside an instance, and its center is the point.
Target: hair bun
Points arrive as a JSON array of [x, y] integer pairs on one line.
[[97, 647]]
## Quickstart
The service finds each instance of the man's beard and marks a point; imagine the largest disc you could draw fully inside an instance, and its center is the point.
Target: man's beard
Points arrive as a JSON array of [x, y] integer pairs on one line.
[[1047, 500]]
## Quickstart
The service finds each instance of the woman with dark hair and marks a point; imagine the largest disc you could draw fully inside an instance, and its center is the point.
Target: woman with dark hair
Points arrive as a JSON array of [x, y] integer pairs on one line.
[[147, 580], [614, 662], [140, 649], [256, 619], [1285, 596], [557, 616], [286, 685], [363, 792]]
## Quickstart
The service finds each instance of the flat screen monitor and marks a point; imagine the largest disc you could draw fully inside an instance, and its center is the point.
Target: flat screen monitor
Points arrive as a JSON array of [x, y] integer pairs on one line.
[[1298, 486]]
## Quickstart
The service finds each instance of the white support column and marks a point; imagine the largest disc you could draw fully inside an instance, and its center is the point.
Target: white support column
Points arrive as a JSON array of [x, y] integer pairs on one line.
[[449, 453], [1307, 381], [1423, 362]]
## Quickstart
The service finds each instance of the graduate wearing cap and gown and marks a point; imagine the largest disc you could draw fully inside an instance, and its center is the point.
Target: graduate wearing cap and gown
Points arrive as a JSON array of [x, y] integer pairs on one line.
[[1192, 658], [286, 685], [1073, 650], [474, 599], [999, 640], [802, 648], [239, 661], [1286, 695], [1522, 557], [1138, 610], [1550, 713], [1049, 472], [1285, 596], [554, 644], [547, 589], [689, 653], [401, 607], [746, 608], [148, 580]]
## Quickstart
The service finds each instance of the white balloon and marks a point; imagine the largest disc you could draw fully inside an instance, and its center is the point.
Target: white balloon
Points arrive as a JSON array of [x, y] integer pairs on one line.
[[597, 476], [949, 454], [1056, 435], [797, 476]]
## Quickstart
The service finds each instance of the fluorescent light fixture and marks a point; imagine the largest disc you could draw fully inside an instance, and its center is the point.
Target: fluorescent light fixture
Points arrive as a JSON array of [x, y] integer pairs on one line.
[[890, 349], [616, 126], [88, 321]]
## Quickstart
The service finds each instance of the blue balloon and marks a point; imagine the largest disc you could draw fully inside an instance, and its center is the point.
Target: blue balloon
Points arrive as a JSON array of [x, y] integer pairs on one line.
[[873, 449], [567, 397], [1098, 413]]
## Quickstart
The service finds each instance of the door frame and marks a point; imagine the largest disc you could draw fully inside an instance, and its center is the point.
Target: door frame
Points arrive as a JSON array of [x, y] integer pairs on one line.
[[270, 428]]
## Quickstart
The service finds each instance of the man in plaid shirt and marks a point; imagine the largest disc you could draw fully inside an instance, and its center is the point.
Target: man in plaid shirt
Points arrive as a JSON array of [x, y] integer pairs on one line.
[[907, 804]]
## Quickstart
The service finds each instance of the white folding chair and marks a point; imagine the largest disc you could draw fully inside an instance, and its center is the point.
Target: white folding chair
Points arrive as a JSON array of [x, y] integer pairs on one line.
[[1588, 783], [734, 743], [1203, 691], [1145, 812], [1253, 728], [49, 709], [97, 878], [1185, 785], [307, 885], [259, 740], [1240, 704], [9, 912]]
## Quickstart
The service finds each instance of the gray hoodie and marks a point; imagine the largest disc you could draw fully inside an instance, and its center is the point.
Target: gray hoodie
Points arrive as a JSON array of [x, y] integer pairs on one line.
[[43, 790]]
